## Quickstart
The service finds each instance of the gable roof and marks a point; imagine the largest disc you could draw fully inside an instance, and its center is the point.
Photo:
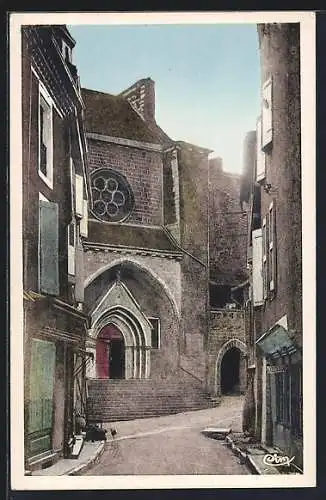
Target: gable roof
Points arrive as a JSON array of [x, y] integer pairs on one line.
[[112, 115]]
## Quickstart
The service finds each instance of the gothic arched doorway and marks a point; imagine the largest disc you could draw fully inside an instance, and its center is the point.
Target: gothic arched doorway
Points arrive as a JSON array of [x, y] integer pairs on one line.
[[110, 353], [230, 372]]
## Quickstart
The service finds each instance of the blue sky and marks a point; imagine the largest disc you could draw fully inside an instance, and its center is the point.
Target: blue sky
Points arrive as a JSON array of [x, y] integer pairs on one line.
[[206, 77]]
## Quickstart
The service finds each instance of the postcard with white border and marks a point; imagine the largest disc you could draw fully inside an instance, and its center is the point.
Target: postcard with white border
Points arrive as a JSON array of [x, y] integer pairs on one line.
[[162, 249]]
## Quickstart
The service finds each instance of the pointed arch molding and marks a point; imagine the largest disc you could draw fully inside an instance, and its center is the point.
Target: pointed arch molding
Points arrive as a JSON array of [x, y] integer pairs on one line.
[[172, 291], [226, 347], [136, 334]]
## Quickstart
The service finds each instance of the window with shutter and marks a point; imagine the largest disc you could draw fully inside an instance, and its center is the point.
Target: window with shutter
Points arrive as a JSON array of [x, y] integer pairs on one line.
[[45, 137], [79, 195], [257, 267], [71, 248], [72, 184], [79, 265], [260, 155], [264, 258], [272, 248], [49, 248], [84, 220], [267, 113]]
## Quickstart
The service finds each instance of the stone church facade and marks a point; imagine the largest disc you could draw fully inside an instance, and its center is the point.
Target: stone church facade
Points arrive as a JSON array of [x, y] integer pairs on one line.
[[149, 255]]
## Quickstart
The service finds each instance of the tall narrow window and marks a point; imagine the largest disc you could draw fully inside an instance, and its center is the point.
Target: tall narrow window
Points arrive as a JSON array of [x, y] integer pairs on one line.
[[257, 271], [156, 333], [84, 220], [267, 113], [45, 137], [71, 248], [260, 155], [265, 254], [272, 248], [79, 195]]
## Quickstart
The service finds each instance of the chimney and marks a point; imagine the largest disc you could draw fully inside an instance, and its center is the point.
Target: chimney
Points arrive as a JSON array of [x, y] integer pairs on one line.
[[141, 97], [216, 163]]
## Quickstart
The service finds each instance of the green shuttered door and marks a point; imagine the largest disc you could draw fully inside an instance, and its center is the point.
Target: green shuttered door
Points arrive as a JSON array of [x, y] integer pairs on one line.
[[41, 395]]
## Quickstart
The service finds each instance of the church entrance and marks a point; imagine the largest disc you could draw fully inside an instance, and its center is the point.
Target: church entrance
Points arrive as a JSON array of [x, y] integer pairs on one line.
[[110, 353], [230, 372]]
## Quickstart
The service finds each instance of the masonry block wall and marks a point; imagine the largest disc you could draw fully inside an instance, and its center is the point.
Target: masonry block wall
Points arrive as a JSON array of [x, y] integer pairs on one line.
[[280, 60], [279, 45], [193, 174], [227, 329], [144, 172], [227, 227], [33, 185]]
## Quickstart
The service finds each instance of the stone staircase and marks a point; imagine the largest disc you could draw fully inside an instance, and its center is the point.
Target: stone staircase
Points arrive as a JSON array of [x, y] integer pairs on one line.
[[113, 400]]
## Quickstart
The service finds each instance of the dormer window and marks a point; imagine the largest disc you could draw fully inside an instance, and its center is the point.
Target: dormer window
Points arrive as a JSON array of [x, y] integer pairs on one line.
[[66, 52]]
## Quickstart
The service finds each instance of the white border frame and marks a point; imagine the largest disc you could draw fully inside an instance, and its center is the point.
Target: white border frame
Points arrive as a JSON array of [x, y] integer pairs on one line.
[[308, 125]]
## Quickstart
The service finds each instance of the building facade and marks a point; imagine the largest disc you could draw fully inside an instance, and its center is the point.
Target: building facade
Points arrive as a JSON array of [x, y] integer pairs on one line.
[[134, 270], [55, 194], [272, 188], [150, 255]]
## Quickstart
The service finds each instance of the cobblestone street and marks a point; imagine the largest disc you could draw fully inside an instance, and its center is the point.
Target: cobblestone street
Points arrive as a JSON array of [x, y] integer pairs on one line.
[[173, 444]]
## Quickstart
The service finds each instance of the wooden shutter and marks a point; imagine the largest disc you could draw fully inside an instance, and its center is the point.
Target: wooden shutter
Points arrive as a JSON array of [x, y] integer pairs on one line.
[[79, 284], [272, 248], [49, 248], [264, 258], [257, 267], [79, 195], [260, 155], [267, 113], [84, 221], [71, 248]]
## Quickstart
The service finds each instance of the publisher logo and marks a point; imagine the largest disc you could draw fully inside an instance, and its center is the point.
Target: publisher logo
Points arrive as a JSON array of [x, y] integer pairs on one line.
[[277, 460]]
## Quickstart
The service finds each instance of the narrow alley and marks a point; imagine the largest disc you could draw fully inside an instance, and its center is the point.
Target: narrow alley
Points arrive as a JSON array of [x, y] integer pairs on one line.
[[172, 444]]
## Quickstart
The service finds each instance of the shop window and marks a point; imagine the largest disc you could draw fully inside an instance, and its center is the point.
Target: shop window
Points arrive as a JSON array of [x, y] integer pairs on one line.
[[296, 399]]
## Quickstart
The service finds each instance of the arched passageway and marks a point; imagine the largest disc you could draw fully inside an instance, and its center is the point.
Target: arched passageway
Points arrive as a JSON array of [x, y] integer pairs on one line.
[[230, 372], [110, 353]]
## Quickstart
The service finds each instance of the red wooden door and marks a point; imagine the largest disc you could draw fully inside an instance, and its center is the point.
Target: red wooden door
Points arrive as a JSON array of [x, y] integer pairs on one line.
[[102, 358], [109, 333]]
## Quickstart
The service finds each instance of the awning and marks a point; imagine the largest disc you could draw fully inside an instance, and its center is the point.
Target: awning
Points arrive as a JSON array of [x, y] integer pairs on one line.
[[277, 342]]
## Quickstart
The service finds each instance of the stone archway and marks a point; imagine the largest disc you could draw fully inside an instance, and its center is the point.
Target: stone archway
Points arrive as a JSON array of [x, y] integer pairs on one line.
[[231, 374]]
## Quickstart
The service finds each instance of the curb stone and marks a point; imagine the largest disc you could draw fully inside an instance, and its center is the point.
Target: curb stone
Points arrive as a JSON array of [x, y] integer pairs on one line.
[[92, 460], [246, 457]]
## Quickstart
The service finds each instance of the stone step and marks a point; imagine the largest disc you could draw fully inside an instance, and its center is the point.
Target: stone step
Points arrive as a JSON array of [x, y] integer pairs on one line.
[[110, 400]]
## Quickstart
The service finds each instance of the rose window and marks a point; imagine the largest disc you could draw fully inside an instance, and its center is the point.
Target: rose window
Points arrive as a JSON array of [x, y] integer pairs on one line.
[[112, 196]]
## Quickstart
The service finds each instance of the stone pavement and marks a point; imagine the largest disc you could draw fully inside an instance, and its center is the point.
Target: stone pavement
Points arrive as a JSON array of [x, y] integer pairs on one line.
[[172, 444]]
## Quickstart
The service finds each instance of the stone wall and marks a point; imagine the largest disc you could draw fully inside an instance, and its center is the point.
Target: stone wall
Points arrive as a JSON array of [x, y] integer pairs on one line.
[[144, 172], [227, 227], [227, 330]]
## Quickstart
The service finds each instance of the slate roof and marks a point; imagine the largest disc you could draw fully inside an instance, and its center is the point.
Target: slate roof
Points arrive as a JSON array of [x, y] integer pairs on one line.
[[112, 115], [123, 235]]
